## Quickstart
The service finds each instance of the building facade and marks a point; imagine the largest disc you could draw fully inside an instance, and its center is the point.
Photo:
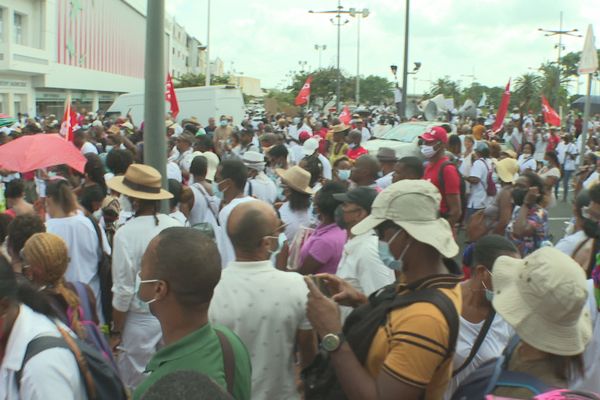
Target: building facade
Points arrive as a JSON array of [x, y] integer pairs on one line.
[[91, 50]]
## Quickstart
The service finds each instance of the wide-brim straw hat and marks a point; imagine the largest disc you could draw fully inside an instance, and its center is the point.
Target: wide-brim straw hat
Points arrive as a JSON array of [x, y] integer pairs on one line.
[[296, 178], [507, 170], [140, 182]]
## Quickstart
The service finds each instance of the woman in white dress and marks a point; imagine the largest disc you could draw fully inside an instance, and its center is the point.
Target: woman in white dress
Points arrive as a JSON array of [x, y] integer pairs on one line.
[[550, 173], [526, 160]]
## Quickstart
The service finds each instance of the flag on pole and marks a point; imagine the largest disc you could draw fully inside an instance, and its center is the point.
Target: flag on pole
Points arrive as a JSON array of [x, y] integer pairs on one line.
[[482, 101], [171, 97], [304, 93], [345, 117], [502, 109], [589, 56], [550, 116], [69, 121]]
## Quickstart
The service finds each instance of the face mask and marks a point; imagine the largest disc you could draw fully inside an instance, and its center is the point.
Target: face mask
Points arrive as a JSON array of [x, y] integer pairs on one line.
[[428, 151], [489, 294], [223, 123], [216, 191], [109, 148], [139, 283], [386, 256], [280, 243], [545, 163], [344, 174], [518, 195]]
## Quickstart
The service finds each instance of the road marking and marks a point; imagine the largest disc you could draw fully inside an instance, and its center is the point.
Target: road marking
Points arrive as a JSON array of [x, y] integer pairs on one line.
[[559, 219]]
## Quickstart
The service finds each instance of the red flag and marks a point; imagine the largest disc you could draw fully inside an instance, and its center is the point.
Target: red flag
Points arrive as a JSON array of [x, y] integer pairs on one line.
[[550, 116], [345, 117], [304, 92], [502, 109], [69, 121], [171, 97]]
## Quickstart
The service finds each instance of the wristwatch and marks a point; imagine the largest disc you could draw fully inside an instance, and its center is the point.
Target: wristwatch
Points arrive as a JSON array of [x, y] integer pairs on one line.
[[331, 342]]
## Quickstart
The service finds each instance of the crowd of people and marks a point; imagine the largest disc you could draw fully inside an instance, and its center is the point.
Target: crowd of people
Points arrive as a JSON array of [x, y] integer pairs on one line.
[[285, 261]]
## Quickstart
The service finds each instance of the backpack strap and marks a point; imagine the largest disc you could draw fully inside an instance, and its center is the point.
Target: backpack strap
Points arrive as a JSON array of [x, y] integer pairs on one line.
[[201, 189], [441, 181], [250, 190], [84, 299], [228, 361], [521, 380], [99, 236], [35, 347], [478, 342]]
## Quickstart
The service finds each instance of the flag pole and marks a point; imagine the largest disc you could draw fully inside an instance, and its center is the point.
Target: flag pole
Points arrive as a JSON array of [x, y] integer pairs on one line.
[[586, 117]]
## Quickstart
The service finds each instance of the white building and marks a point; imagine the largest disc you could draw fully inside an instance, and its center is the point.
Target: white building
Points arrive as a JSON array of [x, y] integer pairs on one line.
[[249, 86], [92, 50]]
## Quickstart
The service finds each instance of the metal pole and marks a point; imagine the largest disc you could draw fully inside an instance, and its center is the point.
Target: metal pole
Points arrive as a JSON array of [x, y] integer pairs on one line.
[[339, 74], [207, 75], [155, 145], [586, 116], [358, 18], [556, 101], [405, 70], [319, 58]]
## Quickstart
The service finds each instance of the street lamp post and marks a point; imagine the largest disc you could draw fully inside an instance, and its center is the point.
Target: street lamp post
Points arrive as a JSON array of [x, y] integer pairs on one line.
[[207, 75], [358, 14], [320, 49], [560, 32], [405, 70], [302, 65], [337, 21]]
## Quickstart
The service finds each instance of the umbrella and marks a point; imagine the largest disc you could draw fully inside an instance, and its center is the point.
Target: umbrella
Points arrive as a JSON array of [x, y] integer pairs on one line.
[[32, 152], [595, 102]]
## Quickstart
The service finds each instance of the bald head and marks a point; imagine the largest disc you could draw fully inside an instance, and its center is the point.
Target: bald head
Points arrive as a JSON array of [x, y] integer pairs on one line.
[[365, 170], [248, 224]]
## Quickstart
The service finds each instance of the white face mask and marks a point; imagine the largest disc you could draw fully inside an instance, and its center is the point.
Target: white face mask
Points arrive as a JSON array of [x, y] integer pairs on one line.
[[428, 151]]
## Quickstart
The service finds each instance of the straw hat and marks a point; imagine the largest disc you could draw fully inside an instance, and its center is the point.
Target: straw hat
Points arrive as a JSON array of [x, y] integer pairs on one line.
[[140, 182], [296, 178], [340, 128], [414, 206], [544, 298], [507, 169]]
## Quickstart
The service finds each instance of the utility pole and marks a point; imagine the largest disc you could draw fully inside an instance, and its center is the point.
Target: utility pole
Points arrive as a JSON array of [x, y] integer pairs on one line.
[[155, 145], [337, 21], [358, 14], [405, 70], [560, 32], [207, 75]]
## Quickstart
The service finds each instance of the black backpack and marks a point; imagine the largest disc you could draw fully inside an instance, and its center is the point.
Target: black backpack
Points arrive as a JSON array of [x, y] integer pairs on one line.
[[463, 184], [320, 380], [100, 378]]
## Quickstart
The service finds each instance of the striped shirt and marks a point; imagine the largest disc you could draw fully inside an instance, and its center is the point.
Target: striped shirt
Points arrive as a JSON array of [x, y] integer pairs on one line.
[[412, 346]]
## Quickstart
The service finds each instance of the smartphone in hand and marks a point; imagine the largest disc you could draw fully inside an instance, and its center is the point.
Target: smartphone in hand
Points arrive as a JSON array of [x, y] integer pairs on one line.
[[321, 284]]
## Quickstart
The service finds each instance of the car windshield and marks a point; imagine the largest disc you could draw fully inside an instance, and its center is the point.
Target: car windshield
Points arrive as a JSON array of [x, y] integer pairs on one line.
[[406, 132]]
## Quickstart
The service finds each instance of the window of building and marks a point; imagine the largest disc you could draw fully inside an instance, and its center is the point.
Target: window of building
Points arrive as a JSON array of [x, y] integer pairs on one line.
[[19, 25]]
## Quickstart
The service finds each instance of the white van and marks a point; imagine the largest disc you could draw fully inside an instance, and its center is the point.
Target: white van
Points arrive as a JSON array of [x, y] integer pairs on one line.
[[200, 102]]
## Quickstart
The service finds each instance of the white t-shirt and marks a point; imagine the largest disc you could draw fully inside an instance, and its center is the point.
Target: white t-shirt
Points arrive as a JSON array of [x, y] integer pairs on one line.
[[294, 219], [84, 251], [591, 180], [385, 180], [327, 172], [130, 243], [569, 243], [564, 152], [262, 188], [200, 211], [174, 172], [225, 246], [265, 307], [495, 341], [88, 148], [479, 198], [295, 153], [365, 135], [526, 162]]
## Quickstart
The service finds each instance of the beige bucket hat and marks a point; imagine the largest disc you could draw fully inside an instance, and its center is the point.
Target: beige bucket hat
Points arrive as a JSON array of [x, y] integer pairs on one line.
[[296, 178]]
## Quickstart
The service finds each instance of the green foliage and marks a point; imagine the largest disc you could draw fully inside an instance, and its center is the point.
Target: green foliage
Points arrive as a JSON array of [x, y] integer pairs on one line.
[[190, 80], [527, 88], [570, 62], [446, 87]]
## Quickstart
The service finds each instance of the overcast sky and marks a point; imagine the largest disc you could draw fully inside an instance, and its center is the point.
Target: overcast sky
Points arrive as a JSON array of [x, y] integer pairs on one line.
[[492, 39]]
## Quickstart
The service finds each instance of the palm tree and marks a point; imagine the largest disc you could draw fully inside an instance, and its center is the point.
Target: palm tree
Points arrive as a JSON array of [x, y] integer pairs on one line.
[[549, 85], [527, 87], [446, 87]]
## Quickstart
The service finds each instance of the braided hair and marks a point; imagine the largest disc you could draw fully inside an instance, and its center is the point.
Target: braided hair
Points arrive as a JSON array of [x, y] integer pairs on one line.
[[49, 252]]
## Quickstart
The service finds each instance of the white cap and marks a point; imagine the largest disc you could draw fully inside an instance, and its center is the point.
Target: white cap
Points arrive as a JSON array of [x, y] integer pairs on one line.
[[310, 146]]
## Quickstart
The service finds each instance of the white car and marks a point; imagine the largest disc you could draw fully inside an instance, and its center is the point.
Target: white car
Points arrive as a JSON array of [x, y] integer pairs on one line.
[[403, 138]]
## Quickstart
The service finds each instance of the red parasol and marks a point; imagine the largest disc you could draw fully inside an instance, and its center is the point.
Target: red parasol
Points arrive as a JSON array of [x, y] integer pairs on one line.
[[32, 152]]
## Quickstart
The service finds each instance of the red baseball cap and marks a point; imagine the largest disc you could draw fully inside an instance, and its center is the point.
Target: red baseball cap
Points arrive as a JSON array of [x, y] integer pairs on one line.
[[304, 135], [435, 134]]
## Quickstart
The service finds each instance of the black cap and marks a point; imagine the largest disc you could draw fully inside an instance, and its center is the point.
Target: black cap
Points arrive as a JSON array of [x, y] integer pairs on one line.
[[362, 196]]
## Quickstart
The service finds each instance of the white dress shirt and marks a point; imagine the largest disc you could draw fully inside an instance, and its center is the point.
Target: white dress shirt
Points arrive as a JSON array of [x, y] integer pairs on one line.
[[53, 373], [265, 307]]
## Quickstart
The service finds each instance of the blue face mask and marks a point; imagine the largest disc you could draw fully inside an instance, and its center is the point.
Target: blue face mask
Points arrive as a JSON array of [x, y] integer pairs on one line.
[[344, 174], [217, 191], [545, 163], [489, 294], [386, 256]]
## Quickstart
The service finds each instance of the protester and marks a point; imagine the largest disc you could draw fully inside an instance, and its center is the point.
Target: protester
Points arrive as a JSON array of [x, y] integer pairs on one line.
[[387, 160], [575, 241], [27, 316], [411, 356], [478, 318], [313, 165], [198, 203], [408, 168], [499, 213], [246, 141], [296, 211], [80, 140], [19, 230], [229, 183], [221, 134], [269, 318], [355, 149], [179, 271], [438, 166], [528, 227], [135, 333], [16, 204], [342, 169], [339, 147], [468, 156], [311, 148], [479, 190], [323, 249], [550, 173], [258, 184], [365, 172], [364, 131], [567, 153], [526, 160]]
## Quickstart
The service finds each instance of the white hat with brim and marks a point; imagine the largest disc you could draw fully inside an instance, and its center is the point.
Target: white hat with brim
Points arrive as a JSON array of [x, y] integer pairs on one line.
[[414, 206], [140, 182], [544, 298]]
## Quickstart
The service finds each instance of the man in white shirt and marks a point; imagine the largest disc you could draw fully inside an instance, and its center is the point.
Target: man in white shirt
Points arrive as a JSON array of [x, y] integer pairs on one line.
[[360, 264], [228, 185], [310, 147], [259, 185], [80, 141], [265, 307], [185, 143], [567, 154], [364, 131], [387, 159], [478, 180]]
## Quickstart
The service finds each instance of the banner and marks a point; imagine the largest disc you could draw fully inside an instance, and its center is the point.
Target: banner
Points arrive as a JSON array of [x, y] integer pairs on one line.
[[345, 117], [304, 93], [550, 116], [171, 97], [69, 121], [502, 109]]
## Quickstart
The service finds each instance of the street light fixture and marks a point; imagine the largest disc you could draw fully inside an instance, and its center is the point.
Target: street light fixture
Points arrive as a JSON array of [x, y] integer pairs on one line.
[[358, 14], [302, 64], [320, 49], [337, 21]]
